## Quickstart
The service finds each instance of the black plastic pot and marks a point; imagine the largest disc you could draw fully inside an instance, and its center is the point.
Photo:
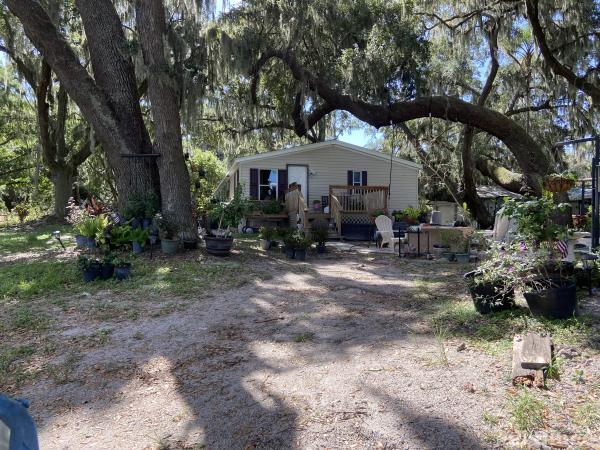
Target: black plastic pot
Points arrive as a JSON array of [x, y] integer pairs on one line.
[[218, 246], [81, 241], [488, 297], [91, 273], [556, 302], [122, 272], [190, 244], [107, 270], [321, 248], [289, 252], [146, 223], [300, 254]]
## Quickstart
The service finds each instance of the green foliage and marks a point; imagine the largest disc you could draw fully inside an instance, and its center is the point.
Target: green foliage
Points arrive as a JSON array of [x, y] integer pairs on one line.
[[167, 228], [120, 235], [206, 171], [141, 207], [92, 227], [526, 411], [271, 207], [86, 263], [122, 261], [229, 214], [267, 233], [534, 218], [319, 231], [139, 235]]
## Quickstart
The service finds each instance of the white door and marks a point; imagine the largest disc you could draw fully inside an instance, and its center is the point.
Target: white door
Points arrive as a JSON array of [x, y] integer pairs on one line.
[[299, 174]]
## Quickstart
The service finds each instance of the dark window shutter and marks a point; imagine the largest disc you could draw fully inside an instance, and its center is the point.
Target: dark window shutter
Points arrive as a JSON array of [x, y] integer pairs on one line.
[[363, 178], [282, 183], [350, 180], [254, 184]]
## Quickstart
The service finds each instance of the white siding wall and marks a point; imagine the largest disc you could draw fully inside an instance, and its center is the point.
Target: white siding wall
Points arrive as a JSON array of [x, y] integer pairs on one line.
[[331, 165]]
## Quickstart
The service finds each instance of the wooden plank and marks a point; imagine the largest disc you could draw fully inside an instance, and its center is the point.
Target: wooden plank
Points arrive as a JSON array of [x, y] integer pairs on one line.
[[537, 351], [520, 375]]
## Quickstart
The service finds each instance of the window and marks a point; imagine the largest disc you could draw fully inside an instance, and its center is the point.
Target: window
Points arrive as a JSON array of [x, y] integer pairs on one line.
[[267, 184], [356, 178]]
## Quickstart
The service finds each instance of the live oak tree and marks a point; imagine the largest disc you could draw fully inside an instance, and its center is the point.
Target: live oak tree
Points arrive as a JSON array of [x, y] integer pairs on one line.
[[110, 99], [371, 59], [63, 142]]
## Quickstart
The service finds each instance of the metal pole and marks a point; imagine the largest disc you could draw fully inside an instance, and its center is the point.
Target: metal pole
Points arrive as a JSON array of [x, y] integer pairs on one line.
[[595, 161]]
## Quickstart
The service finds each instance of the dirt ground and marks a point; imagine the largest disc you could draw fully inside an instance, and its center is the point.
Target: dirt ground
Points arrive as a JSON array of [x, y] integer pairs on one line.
[[335, 353]]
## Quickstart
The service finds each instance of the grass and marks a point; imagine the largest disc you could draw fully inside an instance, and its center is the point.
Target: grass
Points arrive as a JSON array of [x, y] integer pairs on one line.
[[493, 333], [304, 337], [11, 369], [587, 415], [526, 411], [14, 241]]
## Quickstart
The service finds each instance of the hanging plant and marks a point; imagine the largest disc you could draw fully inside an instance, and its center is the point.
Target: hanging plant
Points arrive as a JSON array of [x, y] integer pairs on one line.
[[560, 182]]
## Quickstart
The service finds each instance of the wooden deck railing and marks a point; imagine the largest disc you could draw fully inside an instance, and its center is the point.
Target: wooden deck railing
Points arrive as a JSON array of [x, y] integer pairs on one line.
[[335, 209], [360, 198]]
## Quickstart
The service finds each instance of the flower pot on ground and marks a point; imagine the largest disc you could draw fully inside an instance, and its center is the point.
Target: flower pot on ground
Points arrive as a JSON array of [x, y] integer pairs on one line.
[[320, 233], [190, 244], [167, 230], [146, 223], [90, 267], [266, 235], [107, 270], [554, 298], [139, 237], [218, 245], [300, 244], [169, 246], [81, 241], [489, 296], [122, 268], [92, 227], [229, 215], [289, 252]]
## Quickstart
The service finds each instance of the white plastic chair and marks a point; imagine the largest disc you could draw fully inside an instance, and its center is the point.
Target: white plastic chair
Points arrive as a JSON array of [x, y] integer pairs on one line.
[[384, 227]]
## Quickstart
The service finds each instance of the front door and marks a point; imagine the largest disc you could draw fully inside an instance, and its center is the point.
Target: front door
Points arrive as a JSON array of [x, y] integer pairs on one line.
[[299, 174]]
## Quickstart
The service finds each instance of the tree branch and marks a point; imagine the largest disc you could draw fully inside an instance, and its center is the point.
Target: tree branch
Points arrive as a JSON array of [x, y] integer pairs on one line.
[[557, 67]]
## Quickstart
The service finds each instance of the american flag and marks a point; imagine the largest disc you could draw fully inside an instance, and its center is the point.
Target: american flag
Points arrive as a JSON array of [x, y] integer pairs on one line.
[[562, 247]]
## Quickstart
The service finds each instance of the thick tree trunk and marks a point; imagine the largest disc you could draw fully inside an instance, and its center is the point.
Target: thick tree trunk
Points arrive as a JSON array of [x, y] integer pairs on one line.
[[476, 206], [62, 181], [509, 180], [114, 74], [162, 92], [132, 178]]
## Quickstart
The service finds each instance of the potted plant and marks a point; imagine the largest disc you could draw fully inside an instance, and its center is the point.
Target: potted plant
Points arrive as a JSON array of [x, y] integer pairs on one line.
[[289, 241], [150, 209], [491, 285], [91, 228], [301, 243], [138, 237], [560, 182], [320, 233], [266, 234], [189, 240], [454, 242], [122, 268], [108, 267], [229, 214], [76, 215], [167, 230], [119, 236], [90, 267], [546, 281]]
